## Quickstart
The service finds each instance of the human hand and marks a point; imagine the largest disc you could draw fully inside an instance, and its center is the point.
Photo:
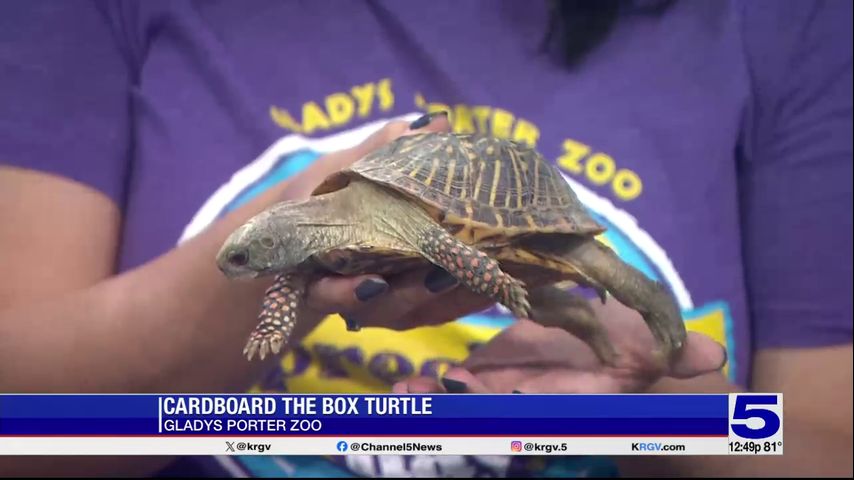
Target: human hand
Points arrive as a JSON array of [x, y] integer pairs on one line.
[[529, 358], [421, 297]]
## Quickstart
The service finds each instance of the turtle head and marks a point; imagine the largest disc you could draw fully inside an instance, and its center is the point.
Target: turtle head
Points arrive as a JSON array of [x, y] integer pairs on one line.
[[263, 246]]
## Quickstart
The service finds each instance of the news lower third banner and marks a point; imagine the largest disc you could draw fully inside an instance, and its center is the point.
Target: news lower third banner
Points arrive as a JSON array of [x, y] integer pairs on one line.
[[463, 424]]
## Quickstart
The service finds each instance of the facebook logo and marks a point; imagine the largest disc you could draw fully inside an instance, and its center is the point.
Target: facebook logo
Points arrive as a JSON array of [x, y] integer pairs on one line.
[[342, 446]]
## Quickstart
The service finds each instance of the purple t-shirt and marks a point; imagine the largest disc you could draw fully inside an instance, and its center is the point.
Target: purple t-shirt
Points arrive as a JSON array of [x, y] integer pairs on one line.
[[713, 140]]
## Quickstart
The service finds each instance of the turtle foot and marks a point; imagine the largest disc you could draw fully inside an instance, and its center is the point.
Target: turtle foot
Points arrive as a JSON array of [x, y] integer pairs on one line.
[[277, 318], [553, 307], [516, 298]]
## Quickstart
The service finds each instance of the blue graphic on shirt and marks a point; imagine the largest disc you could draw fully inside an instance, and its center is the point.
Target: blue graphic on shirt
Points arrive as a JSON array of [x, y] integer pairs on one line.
[[286, 167]]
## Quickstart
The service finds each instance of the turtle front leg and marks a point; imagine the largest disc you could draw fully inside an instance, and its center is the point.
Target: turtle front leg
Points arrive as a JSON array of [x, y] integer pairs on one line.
[[277, 318], [475, 270]]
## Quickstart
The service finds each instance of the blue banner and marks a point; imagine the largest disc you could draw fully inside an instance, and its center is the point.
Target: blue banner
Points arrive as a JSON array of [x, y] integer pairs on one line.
[[365, 415]]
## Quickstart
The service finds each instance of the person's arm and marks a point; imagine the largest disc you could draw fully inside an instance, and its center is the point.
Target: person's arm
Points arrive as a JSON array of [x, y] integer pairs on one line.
[[796, 175], [816, 387], [68, 325]]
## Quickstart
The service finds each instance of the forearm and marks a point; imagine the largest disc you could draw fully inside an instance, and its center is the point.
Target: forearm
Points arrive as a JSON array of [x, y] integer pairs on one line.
[[173, 324], [809, 451]]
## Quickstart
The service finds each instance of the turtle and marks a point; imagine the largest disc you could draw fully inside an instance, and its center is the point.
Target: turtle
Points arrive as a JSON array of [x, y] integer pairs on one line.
[[490, 211]]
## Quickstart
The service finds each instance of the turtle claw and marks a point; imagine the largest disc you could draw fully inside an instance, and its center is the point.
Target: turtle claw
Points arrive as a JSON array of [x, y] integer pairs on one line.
[[251, 347], [276, 344], [517, 299], [263, 345]]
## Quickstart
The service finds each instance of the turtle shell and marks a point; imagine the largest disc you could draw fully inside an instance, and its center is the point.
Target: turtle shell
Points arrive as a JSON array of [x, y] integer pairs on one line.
[[476, 185]]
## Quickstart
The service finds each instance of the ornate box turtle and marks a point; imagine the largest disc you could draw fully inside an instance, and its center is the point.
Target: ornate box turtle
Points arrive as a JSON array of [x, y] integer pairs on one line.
[[491, 212]]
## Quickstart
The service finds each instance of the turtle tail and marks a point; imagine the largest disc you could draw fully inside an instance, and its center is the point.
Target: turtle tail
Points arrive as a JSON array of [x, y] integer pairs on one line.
[[603, 270]]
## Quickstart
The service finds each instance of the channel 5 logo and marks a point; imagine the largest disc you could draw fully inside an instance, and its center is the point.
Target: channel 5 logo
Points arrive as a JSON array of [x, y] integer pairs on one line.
[[756, 416]]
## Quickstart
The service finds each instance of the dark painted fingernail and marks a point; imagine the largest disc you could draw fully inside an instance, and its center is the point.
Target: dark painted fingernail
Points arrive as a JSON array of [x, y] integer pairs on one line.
[[425, 120], [370, 288], [352, 324], [454, 386], [516, 391], [726, 357], [439, 280]]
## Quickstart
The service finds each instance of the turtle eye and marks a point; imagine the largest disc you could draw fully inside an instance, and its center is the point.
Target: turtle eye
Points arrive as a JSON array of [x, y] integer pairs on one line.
[[238, 258], [267, 242]]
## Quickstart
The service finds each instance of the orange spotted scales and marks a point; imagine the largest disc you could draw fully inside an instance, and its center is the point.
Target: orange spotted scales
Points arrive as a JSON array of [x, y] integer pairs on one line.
[[491, 212]]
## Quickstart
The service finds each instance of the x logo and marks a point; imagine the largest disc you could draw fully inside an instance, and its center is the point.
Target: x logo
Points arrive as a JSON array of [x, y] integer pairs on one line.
[[229, 446]]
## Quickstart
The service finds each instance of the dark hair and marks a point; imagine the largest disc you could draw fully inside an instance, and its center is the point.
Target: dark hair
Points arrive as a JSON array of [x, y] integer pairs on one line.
[[577, 27]]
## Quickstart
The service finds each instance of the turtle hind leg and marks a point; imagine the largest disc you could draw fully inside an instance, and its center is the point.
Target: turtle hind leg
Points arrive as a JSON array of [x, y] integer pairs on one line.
[[277, 318], [475, 270], [602, 267], [554, 307]]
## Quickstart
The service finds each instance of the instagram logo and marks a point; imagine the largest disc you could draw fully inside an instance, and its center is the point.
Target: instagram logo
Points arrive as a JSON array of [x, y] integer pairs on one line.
[[516, 446]]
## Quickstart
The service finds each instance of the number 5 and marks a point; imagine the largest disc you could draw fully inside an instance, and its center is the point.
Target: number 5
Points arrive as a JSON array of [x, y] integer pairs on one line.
[[742, 412]]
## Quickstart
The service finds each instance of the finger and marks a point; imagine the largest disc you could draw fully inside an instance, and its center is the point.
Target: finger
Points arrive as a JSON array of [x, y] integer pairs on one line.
[[557, 380], [574, 381], [455, 380], [417, 385], [527, 345], [460, 380], [402, 387], [341, 294], [449, 306], [406, 293], [700, 355], [423, 297], [431, 122]]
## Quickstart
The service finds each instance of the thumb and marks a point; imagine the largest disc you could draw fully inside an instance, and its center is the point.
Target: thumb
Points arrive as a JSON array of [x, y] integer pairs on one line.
[[700, 355], [429, 122], [433, 122], [341, 159], [437, 121]]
